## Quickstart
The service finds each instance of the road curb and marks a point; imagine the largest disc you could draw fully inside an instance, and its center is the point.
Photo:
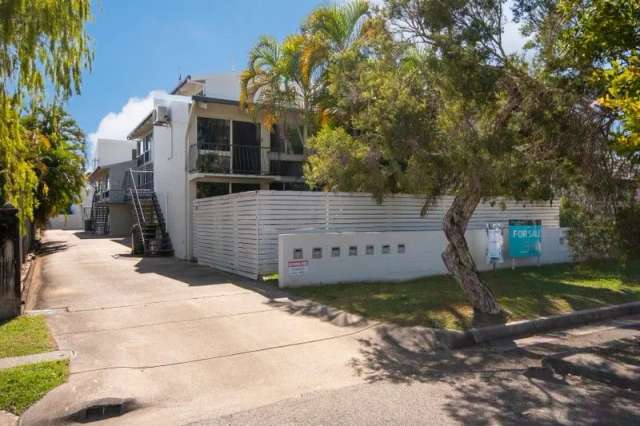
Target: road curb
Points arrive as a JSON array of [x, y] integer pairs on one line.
[[455, 339], [539, 325], [8, 419], [30, 287]]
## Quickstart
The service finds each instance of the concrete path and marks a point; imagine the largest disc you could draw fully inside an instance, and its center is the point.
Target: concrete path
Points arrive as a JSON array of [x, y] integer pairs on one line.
[[183, 344], [31, 359]]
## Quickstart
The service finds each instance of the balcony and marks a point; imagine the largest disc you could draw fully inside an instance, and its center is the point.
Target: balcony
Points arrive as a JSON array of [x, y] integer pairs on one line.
[[234, 159]]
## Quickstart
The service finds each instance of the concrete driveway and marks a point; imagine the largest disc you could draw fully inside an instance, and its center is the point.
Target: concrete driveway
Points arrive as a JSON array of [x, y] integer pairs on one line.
[[182, 342]]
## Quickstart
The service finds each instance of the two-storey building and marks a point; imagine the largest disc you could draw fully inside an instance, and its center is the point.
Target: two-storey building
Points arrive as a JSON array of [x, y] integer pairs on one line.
[[198, 142]]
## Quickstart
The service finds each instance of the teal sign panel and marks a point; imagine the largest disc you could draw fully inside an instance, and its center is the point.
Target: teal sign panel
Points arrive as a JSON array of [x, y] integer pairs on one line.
[[525, 238]]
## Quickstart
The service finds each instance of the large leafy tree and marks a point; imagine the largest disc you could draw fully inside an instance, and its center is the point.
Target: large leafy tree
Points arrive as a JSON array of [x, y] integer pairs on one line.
[[593, 47], [602, 41], [57, 159], [43, 50], [448, 112]]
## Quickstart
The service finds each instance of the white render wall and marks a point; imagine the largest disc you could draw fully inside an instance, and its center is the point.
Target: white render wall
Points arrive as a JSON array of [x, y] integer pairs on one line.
[[169, 156], [239, 232], [75, 220], [421, 257], [111, 151]]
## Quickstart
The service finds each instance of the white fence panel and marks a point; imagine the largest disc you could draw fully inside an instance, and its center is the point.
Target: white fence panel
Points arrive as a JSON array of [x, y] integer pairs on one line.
[[225, 233], [239, 232]]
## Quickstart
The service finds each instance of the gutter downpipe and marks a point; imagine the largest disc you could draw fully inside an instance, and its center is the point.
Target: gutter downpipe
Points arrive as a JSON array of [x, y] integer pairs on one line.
[[188, 203]]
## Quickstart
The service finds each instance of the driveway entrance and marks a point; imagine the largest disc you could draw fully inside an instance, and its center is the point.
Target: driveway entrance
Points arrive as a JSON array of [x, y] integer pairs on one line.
[[181, 342]]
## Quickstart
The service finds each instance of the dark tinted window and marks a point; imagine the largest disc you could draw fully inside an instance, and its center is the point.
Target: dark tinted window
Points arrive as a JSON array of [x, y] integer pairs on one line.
[[211, 189], [213, 134], [246, 133], [243, 187], [286, 139]]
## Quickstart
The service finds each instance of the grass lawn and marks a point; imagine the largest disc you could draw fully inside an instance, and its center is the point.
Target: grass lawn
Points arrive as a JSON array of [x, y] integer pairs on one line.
[[524, 293], [25, 335], [22, 386]]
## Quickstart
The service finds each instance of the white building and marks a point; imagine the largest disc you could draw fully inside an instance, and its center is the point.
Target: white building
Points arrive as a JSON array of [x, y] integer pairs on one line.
[[108, 153], [197, 142], [111, 151]]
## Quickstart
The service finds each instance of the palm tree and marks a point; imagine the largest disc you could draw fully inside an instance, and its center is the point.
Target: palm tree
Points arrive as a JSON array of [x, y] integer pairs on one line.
[[291, 75], [337, 25], [266, 81]]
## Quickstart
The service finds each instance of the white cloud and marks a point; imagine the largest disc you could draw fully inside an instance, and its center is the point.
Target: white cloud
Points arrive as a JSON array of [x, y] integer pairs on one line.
[[117, 125]]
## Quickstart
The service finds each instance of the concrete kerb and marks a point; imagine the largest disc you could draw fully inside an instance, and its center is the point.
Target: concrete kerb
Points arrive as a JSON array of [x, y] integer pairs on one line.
[[453, 339], [17, 361], [556, 322], [8, 419]]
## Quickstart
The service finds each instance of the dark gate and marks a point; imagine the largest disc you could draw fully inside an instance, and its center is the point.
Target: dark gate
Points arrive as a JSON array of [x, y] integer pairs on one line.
[[10, 287]]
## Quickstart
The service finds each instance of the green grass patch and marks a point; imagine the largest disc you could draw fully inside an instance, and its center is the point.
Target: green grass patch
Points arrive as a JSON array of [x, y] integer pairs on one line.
[[25, 335], [524, 294], [21, 387]]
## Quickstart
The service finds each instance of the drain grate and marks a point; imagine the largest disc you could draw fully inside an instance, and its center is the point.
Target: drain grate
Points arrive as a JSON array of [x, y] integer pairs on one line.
[[103, 409], [99, 412]]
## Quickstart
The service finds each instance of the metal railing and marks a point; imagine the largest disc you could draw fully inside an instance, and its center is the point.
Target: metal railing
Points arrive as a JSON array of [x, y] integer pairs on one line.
[[134, 193], [252, 160], [281, 147]]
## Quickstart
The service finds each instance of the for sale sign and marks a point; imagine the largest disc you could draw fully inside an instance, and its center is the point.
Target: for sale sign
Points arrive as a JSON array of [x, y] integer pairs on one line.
[[525, 238]]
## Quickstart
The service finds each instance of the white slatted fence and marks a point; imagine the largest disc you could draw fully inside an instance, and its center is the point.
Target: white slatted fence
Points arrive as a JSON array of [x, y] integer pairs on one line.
[[239, 232]]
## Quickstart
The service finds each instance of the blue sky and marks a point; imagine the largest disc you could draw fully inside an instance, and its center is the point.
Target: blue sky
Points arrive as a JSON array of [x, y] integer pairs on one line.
[[142, 45]]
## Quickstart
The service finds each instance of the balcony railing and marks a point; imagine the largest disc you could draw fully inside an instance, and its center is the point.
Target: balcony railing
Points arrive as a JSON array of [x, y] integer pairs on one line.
[[240, 159]]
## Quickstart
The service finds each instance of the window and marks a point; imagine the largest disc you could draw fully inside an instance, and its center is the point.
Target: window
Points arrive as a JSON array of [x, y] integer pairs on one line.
[[353, 251], [335, 252], [146, 142], [316, 253], [213, 134], [298, 253], [286, 139], [244, 187], [369, 250], [211, 189], [386, 249], [246, 148], [401, 248]]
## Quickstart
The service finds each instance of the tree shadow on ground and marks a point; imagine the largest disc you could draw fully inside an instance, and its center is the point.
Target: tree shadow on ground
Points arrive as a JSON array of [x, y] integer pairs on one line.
[[296, 306], [86, 235], [193, 274], [51, 246], [501, 385]]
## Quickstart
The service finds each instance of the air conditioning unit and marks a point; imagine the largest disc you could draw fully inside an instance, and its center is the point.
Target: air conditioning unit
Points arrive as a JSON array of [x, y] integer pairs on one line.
[[161, 115]]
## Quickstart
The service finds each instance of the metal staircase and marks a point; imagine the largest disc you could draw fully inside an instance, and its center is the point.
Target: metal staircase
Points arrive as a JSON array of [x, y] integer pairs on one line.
[[149, 236], [99, 217]]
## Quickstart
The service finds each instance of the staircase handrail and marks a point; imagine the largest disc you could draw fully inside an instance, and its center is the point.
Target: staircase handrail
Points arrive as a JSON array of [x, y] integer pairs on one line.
[[137, 206]]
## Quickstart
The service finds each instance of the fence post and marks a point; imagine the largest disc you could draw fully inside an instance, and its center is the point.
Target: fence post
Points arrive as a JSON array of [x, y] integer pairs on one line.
[[10, 263]]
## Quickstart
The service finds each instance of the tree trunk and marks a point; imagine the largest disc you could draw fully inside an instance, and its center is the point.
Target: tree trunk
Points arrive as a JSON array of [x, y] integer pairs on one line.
[[457, 257]]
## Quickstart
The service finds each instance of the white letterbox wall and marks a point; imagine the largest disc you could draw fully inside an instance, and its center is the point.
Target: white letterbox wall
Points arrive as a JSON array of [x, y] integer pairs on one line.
[[396, 256]]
